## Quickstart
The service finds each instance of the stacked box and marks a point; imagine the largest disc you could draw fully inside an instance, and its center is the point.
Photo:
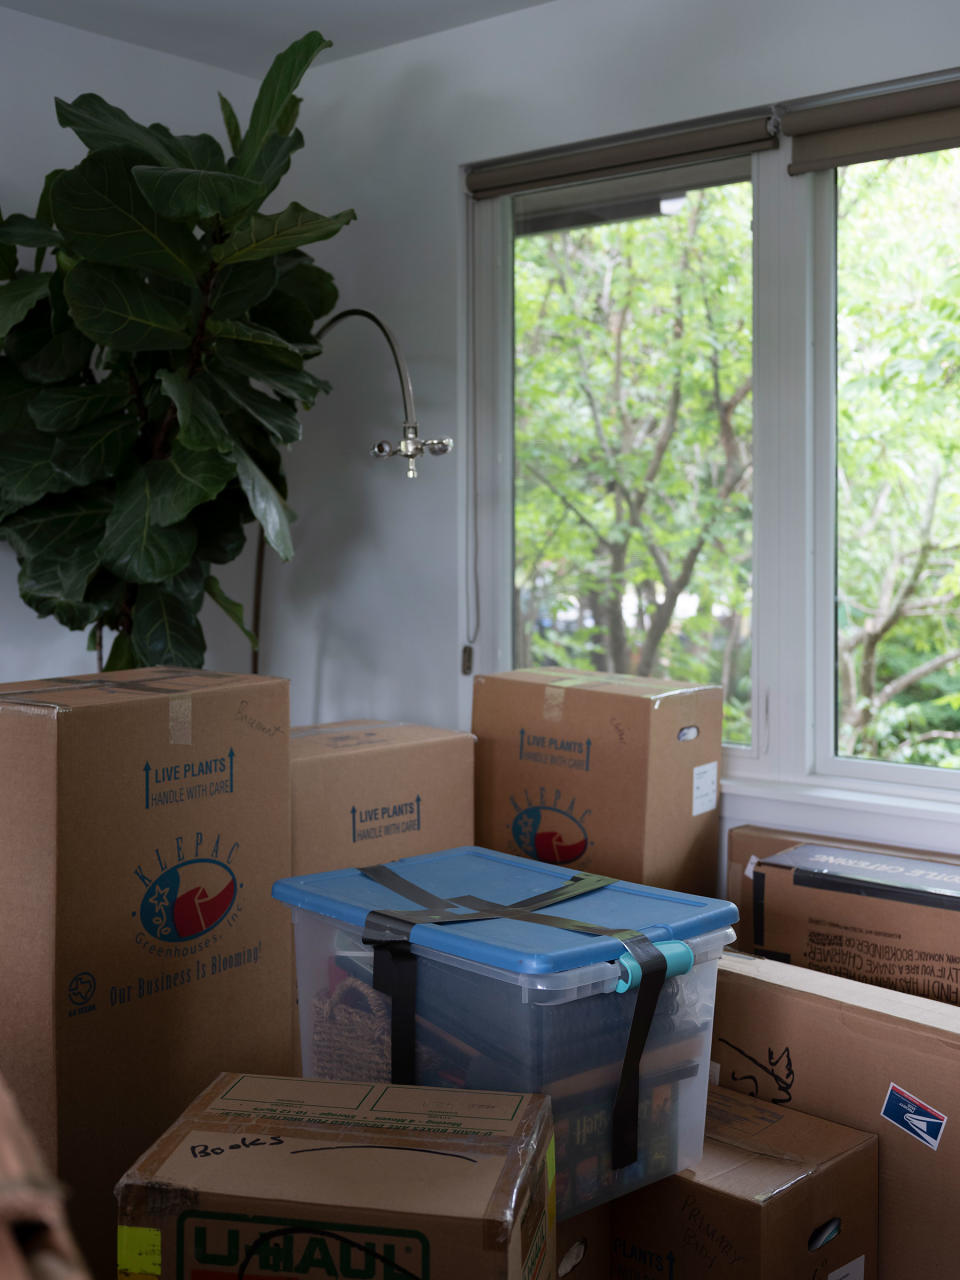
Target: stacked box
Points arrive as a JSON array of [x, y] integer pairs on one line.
[[369, 791], [286, 1178], [778, 1195], [881, 1061], [145, 817], [607, 773]]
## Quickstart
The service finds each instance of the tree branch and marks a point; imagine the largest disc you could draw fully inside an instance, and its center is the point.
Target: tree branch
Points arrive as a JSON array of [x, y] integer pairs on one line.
[[571, 507]]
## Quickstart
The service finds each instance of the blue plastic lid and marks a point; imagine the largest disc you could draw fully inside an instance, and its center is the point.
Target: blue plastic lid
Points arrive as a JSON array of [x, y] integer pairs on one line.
[[518, 946]]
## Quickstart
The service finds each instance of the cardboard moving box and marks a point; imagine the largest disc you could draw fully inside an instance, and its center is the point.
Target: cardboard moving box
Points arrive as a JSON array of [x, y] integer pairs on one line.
[[145, 819], [748, 845], [370, 791], [379, 1182], [778, 1195], [881, 1061], [606, 773], [887, 920]]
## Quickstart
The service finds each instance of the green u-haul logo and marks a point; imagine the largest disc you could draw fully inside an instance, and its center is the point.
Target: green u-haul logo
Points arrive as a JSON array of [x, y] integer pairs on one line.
[[212, 1246]]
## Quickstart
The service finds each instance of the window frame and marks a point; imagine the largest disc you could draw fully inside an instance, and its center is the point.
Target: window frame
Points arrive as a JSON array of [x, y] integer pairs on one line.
[[789, 776]]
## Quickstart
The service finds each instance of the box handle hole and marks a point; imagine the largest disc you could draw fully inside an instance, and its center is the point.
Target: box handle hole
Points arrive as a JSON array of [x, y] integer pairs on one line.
[[823, 1234], [688, 733], [572, 1259]]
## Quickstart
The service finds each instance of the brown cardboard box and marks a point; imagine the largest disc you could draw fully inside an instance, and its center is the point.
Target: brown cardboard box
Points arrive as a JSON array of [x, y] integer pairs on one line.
[[881, 1061], [370, 791], [606, 773], [145, 819], [583, 1245], [887, 920], [746, 846], [379, 1181], [778, 1195]]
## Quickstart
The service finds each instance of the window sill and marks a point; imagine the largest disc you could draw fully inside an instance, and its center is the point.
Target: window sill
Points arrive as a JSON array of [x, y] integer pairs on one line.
[[893, 815]]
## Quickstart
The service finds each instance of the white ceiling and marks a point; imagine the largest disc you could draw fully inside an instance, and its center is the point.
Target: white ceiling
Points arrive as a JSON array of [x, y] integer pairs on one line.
[[244, 35]]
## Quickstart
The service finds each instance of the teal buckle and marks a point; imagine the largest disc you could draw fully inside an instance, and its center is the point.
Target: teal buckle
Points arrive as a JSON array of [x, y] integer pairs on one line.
[[678, 955]]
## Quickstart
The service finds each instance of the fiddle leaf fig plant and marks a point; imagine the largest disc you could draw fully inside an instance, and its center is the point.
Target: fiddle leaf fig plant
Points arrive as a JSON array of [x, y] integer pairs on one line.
[[156, 326]]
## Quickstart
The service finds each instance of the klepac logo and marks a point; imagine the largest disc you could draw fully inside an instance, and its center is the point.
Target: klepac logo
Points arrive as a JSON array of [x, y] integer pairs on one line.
[[214, 1246], [549, 830], [188, 889], [184, 902]]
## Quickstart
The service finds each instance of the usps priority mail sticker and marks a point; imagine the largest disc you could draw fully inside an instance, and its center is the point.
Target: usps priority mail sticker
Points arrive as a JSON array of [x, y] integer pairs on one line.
[[913, 1116]]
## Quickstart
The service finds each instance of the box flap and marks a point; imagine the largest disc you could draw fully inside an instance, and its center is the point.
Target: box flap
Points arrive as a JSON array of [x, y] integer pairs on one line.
[[430, 1152], [102, 688], [351, 736]]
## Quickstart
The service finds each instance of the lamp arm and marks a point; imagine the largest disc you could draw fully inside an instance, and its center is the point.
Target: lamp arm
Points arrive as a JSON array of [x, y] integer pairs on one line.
[[406, 388]]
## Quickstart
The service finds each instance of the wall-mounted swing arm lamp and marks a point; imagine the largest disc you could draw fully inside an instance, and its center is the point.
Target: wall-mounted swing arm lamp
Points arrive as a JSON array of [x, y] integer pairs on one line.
[[410, 446]]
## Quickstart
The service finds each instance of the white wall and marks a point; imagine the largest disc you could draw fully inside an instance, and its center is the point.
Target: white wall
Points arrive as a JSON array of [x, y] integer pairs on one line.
[[369, 617], [39, 61]]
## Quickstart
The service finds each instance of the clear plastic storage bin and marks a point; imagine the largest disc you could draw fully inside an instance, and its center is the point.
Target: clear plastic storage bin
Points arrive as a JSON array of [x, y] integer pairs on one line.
[[506, 1003]]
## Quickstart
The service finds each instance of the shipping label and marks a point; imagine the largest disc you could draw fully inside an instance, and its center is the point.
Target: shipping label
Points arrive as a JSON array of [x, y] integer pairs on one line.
[[914, 1117]]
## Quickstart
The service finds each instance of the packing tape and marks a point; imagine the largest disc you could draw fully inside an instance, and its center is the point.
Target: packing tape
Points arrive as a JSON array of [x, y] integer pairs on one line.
[[139, 1251], [181, 720]]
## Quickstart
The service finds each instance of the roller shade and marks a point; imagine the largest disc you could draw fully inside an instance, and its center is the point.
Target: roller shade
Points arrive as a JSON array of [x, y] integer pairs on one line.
[[660, 149], [874, 124]]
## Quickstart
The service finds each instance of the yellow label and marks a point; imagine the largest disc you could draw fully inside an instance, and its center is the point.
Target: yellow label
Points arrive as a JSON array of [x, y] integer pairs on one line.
[[138, 1252]]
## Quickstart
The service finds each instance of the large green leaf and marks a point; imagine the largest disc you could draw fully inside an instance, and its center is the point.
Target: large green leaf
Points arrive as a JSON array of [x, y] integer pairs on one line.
[[72, 614], [115, 308], [63, 409], [276, 417], [237, 289], [27, 472], [191, 195], [232, 608], [266, 504], [219, 524], [185, 480], [95, 451], [57, 540], [136, 549], [122, 655], [190, 586], [263, 235], [310, 285], [247, 362], [201, 426], [165, 631], [100, 125], [105, 218], [231, 124], [66, 354], [286, 316], [274, 159], [32, 234], [8, 259], [286, 72], [45, 213], [202, 150], [19, 295], [259, 338], [16, 400]]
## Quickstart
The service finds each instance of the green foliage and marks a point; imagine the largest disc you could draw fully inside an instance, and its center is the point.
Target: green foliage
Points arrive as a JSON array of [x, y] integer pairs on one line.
[[150, 383], [633, 515]]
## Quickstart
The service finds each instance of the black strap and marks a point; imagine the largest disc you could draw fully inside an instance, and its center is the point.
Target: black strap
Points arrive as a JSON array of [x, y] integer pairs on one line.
[[394, 974], [626, 1107]]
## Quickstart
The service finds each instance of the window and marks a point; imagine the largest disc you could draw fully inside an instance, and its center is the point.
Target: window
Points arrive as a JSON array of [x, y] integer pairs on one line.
[[633, 376], [898, 436], [813, 464]]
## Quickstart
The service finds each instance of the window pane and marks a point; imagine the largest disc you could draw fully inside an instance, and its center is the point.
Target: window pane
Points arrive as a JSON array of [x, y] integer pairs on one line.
[[898, 483], [633, 445]]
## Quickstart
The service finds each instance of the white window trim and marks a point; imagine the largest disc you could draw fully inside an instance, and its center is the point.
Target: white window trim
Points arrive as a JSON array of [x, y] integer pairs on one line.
[[789, 776]]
